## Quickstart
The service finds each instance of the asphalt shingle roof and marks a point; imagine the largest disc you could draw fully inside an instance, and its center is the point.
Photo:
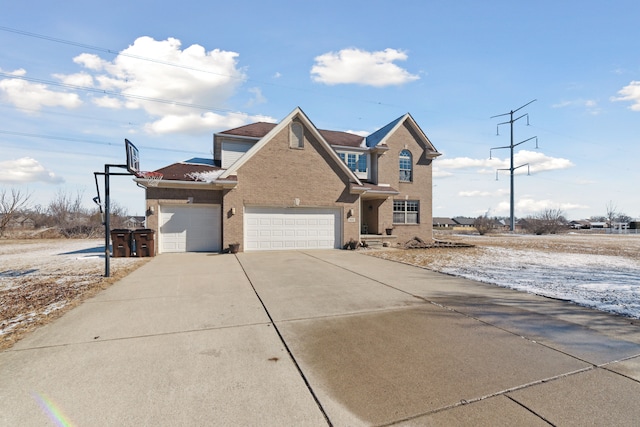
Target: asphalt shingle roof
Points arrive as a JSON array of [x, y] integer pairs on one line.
[[260, 129]]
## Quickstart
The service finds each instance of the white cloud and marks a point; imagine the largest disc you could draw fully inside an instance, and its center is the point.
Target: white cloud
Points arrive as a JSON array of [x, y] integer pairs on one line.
[[108, 102], [526, 206], [475, 193], [439, 173], [34, 96], [91, 61], [197, 123], [467, 162], [25, 170], [355, 66], [258, 97], [538, 162], [631, 92], [162, 70], [590, 105], [78, 79]]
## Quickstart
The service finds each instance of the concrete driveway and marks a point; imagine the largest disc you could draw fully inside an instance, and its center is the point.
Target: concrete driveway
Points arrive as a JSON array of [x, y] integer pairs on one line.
[[320, 338]]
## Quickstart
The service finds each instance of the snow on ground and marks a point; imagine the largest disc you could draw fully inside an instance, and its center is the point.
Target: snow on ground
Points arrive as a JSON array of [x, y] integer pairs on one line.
[[608, 283], [598, 271], [41, 277]]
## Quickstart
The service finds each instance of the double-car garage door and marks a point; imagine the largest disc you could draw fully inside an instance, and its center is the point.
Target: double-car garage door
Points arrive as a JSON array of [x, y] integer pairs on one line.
[[197, 228], [291, 228]]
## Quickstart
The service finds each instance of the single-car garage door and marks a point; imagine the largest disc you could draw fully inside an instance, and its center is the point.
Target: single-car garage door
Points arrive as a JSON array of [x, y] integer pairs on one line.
[[189, 228], [291, 228]]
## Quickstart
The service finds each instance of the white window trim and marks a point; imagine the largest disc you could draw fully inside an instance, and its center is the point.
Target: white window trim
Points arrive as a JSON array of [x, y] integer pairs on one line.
[[405, 212], [343, 154], [410, 170]]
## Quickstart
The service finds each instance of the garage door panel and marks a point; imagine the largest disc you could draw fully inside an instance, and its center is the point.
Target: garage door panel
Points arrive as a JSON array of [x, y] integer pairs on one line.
[[293, 228], [189, 228]]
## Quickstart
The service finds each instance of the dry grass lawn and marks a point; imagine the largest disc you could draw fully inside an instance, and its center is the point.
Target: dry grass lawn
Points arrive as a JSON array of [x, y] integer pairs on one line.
[[627, 246], [42, 279]]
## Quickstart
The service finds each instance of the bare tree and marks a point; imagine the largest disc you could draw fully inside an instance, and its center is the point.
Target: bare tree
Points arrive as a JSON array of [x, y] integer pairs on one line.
[[612, 213], [11, 202], [624, 218], [553, 219], [118, 215], [549, 221], [484, 224], [68, 215]]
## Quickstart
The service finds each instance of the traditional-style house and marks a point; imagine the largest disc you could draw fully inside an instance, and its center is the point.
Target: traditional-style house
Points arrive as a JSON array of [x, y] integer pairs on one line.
[[293, 186]]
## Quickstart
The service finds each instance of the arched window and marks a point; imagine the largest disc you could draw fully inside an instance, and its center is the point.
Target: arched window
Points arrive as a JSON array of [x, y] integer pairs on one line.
[[296, 138], [406, 166]]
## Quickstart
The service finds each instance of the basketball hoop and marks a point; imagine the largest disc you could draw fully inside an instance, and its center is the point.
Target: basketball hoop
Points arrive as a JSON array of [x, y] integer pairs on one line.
[[152, 178]]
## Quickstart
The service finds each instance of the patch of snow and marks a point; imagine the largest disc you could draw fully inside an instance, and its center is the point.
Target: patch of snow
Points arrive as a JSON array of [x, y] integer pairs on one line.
[[207, 176], [607, 283]]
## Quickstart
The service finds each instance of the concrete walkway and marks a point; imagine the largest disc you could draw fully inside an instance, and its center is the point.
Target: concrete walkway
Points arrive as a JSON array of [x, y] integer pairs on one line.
[[320, 338]]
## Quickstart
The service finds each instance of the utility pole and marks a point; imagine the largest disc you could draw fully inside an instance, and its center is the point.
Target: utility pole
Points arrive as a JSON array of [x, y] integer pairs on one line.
[[511, 146]]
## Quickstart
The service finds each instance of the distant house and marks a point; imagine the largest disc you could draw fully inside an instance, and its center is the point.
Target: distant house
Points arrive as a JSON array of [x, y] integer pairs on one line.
[[521, 224], [21, 223], [135, 222], [599, 224], [501, 223], [581, 224], [462, 221], [443, 222]]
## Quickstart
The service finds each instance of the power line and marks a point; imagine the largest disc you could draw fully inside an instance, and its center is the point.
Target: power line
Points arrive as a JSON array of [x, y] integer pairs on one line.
[[173, 64], [114, 52], [86, 141], [119, 94], [58, 113]]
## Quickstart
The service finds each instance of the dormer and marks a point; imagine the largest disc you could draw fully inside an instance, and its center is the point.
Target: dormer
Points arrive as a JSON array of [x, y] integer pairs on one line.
[[358, 160], [230, 145]]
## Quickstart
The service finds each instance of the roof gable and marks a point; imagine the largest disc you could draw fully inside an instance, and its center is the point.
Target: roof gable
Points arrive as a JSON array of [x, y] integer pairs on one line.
[[300, 115], [375, 138], [381, 136]]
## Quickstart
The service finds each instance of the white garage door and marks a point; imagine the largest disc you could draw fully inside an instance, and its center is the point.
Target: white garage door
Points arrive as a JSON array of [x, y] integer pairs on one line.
[[293, 228], [189, 228]]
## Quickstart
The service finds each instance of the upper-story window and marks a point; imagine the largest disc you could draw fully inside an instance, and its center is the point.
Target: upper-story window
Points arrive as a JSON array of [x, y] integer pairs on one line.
[[406, 166], [357, 162], [296, 135]]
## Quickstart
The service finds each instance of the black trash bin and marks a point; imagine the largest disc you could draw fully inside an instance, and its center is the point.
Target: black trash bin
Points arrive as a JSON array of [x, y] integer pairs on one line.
[[121, 243], [143, 240]]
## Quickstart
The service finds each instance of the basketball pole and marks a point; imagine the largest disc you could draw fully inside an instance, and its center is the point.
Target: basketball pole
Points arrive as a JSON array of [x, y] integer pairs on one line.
[[132, 168], [107, 207]]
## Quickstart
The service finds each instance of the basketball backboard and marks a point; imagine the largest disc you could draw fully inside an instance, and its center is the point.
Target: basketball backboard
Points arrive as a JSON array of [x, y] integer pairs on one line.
[[133, 159]]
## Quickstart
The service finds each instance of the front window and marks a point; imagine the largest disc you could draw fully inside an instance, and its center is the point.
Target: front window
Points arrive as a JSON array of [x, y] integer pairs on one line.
[[406, 212], [406, 166], [357, 162]]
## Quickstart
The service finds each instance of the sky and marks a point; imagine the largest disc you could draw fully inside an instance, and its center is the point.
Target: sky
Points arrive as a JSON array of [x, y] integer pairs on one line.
[[78, 78]]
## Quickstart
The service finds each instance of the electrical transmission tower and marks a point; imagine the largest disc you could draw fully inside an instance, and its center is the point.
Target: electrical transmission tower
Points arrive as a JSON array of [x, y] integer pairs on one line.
[[511, 146]]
